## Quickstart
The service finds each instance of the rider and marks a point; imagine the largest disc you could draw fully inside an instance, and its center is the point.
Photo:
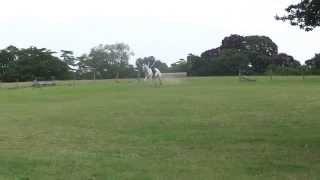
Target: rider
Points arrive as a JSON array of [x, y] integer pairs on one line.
[[153, 71]]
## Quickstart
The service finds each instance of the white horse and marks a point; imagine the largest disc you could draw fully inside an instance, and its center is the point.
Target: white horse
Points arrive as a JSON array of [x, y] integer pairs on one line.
[[148, 74], [151, 75]]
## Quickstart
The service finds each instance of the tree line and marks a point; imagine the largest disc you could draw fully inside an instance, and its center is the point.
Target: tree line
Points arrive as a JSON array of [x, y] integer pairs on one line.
[[30, 63], [102, 62], [256, 55]]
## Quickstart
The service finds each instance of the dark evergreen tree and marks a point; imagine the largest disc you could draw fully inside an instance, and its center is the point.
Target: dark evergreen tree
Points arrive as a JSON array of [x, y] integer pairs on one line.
[[305, 14]]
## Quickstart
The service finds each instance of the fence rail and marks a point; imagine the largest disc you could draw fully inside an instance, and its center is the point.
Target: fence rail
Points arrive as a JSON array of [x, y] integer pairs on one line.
[[168, 76]]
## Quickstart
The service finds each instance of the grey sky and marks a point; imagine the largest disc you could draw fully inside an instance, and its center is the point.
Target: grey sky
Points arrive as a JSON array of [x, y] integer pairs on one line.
[[166, 29]]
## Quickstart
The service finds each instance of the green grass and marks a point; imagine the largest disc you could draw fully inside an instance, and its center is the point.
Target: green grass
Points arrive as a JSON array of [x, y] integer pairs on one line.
[[193, 129]]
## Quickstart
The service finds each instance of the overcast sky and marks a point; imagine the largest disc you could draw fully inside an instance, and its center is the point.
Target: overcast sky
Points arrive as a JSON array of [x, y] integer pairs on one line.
[[166, 29]]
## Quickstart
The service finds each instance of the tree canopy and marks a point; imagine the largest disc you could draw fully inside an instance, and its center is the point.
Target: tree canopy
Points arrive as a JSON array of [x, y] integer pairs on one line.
[[313, 64], [305, 14], [31, 63], [180, 66], [246, 54], [108, 61], [250, 54]]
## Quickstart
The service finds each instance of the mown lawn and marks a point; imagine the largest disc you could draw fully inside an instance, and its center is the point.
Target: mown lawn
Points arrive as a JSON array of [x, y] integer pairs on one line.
[[192, 129]]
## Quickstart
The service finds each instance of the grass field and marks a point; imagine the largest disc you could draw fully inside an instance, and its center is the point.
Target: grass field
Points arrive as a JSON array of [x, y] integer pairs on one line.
[[189, 129]]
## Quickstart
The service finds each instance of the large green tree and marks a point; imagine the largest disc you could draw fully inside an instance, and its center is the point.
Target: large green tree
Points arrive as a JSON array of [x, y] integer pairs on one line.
[[284, 64], [8, 56], [180, 66], [197, 66], [68, 58], [108, 61], [31, 63], [235, 53], [313, 64], [34, 63], [305, 14]]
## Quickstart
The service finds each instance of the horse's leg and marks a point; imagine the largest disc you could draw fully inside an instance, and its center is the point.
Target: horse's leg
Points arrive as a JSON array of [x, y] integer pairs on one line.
[[160, 81], [154, 81], [147, 77]]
